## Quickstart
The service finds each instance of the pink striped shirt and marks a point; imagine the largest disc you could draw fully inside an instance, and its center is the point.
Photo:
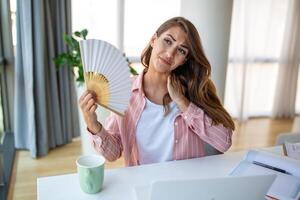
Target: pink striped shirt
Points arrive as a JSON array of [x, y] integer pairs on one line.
[[191, 128]]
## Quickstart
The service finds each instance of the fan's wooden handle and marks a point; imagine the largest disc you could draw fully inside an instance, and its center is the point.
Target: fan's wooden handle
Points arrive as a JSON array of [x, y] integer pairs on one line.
[[118, 113]]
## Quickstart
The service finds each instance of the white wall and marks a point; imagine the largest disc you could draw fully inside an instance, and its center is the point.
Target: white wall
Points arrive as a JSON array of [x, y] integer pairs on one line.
[[212, 18]]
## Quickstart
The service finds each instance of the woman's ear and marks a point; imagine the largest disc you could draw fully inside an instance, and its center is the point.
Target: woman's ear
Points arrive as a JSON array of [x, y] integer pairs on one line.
[[153, 39]]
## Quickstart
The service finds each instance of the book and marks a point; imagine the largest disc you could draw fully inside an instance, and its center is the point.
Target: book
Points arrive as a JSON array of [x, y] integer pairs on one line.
[[287, 182], [292, 150]]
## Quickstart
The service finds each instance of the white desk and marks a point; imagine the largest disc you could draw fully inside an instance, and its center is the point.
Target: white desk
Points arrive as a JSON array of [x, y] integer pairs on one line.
[[120, 183]]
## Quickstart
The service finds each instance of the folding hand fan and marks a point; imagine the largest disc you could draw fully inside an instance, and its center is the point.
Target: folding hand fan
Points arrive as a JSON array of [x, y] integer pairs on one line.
[[106, 72]]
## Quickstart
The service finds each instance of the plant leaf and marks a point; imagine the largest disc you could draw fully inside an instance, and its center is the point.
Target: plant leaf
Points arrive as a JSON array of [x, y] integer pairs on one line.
[[77, 33], [133, 71], [68, 39], [84, 33]]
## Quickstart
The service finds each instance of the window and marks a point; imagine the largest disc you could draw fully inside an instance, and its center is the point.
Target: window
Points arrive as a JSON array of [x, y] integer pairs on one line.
[[6, 96], [298, 94], [99, 17], [13, 9], [142, 18], [1, 111], [256, 39]]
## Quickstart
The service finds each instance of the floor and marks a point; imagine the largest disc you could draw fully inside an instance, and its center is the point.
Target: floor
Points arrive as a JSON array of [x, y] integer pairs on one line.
[[253, 133]]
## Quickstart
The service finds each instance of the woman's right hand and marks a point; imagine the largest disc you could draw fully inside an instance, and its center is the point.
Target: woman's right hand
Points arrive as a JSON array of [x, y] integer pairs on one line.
[[88, 107]]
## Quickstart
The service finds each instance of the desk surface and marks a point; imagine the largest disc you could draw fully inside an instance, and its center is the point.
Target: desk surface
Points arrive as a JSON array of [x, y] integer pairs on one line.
[[120, 183]]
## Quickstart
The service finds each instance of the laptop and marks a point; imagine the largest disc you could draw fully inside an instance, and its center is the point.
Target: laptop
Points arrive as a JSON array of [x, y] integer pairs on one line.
[[226, 188]]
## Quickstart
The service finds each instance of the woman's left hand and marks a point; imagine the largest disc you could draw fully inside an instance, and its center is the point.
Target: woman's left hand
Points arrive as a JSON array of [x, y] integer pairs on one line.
[[177, 95]]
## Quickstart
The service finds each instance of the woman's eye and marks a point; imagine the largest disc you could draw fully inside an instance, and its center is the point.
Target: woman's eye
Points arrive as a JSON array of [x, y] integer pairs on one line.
[[168, 41], [182, 51]]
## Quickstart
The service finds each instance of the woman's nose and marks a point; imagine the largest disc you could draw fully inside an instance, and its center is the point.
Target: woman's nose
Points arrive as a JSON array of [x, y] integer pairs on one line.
[[170, 52]]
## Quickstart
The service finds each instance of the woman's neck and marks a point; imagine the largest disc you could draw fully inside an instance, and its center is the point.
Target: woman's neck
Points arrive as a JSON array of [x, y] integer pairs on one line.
[[155, 85], [157, 79]]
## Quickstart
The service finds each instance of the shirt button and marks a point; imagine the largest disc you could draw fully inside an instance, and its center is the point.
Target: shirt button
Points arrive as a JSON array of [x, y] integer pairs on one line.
[[176, 123], [185, 117], [176, 141]]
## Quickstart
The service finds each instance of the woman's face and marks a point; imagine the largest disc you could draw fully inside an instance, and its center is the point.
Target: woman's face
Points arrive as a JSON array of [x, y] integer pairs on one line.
[[169, 50]]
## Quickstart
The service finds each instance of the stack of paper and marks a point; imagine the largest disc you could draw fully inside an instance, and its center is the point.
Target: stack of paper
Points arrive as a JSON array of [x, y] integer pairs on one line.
[[292, 150], [287, 182]]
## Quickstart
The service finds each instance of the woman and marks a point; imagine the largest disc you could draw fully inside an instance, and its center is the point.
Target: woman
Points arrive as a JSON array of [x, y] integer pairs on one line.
[[173, 108]]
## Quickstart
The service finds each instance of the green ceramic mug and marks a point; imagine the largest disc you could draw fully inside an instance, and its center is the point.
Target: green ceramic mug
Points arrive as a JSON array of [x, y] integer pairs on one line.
[[90, 169]]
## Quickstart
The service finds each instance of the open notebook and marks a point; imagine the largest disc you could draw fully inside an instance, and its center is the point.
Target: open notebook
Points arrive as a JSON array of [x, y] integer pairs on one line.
[[224, 188], [287, 183]]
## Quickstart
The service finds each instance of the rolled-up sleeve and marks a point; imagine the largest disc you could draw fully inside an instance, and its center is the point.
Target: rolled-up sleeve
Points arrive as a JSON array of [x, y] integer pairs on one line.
[[216, 135], [108, 141]]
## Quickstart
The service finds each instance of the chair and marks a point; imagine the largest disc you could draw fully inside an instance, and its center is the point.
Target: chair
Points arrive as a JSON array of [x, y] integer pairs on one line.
[[210, 151], [291, 137]]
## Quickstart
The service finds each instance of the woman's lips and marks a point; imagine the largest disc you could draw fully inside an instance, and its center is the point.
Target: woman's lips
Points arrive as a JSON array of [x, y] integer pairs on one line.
[[165, 61]]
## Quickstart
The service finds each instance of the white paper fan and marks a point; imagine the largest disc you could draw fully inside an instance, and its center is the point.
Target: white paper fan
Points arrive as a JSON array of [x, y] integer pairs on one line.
[[106, 72]]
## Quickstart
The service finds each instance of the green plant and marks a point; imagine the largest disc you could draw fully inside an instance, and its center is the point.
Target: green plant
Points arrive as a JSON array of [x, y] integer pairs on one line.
[[131, 69], [72, 57]]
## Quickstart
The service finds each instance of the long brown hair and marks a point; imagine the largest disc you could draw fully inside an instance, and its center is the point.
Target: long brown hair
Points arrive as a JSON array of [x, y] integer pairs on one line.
[[193, 77]]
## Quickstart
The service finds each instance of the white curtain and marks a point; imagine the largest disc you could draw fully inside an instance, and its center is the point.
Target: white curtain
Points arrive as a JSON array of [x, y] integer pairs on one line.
[[285, 97], [257, 38]]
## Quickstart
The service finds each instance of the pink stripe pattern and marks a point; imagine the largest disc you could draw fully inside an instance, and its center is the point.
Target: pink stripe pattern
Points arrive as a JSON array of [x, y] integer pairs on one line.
[[191, 129]]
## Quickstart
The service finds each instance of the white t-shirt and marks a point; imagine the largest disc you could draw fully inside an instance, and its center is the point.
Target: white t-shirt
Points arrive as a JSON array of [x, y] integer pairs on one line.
[[155, 133]]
